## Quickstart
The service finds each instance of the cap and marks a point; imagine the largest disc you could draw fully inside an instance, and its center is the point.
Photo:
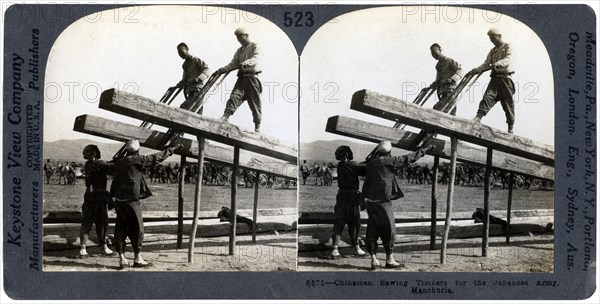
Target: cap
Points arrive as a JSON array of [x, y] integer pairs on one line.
[[494, 31], [343, 152], [132, 145], [384, 146], [240, 31], [92, 149]]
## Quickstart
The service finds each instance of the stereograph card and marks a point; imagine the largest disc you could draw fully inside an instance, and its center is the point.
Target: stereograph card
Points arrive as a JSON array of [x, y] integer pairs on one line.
[[299, 151]]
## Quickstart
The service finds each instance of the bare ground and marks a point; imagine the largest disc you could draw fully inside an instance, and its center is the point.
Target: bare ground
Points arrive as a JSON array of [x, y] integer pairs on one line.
[[526, 252], [274, 251], [271, 252], [533, 253]]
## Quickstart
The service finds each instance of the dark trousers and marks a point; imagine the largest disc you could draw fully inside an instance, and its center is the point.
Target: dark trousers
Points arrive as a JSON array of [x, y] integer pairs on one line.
[[129, 224], [246, 88], [94, 211], [347, 212], [442, 95], [382, 225], [190, 93], [499, 89]]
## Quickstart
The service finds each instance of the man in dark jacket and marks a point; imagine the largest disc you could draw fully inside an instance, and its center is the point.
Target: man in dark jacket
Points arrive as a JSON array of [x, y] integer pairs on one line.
[[96, 199], [127, 188], [347, 200], [378, 195]]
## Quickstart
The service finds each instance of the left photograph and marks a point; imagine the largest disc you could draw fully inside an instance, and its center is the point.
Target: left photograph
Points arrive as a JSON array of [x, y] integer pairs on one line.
[[170, 142]]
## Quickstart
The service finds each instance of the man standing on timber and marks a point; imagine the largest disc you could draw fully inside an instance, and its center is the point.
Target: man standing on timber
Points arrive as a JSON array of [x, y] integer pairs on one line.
[[195, 73], [501, 87], [449, 73], [248, 86]]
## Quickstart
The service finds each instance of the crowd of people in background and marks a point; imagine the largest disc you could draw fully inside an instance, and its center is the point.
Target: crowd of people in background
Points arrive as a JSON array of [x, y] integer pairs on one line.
[[67, 173], [467, 175]]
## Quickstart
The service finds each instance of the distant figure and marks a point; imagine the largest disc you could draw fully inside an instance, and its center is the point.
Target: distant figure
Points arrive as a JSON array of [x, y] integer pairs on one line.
[[315, 171], [501, 87], [347, 200], [248, 86], [448, 74], [305, 171], [127, 188], [426, 173], [326, 176], [96, 200], [195, 73], [49, 170]]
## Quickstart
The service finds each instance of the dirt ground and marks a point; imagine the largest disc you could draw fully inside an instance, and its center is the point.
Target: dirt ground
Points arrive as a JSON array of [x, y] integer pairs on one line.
[[526, 252], [272, 252], [417, 198], [533, 253], [70, 197]]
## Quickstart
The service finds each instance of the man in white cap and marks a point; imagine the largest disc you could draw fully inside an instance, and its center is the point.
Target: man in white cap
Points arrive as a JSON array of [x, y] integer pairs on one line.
[[501, 87], [379, 189], [248, 86], [195, 73], [127, 188]]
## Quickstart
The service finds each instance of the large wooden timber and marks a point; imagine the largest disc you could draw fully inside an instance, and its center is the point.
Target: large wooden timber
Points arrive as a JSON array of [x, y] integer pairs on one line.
[[213, 129], [119, 131], [437, 122], [372, 132]]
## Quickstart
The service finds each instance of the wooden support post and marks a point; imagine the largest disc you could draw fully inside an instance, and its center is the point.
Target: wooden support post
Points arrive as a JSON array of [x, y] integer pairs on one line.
[[435, 169], [453, 143], [486, 203], [233, 223], [180, 203], [509, 206], [197, 194], [255, 208]]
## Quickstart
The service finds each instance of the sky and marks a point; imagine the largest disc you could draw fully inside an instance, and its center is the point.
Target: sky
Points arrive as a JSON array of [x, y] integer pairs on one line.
[[386, 50], [381, 49], [135, 50]]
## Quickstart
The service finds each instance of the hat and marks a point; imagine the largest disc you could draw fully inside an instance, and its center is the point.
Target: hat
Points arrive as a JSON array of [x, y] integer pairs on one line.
[[494, 31], [385, 146], [92, 149], [133, 145], [343, 152], [240, 31]]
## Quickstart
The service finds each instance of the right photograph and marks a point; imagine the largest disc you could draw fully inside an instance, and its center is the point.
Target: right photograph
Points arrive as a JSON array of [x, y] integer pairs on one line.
[[426, 143]]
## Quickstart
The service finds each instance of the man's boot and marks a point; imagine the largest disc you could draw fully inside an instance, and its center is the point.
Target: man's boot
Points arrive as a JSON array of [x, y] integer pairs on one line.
[[257, 127], [510, 129]]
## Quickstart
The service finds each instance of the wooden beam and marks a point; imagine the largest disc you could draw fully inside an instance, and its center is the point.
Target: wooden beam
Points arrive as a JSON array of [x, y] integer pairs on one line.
[[437, 122], [436, 170], [486, 203], [233, 220], [255, 205], [211, 128], [197, 198], [450, 200], [180, 190], [511, 178], [119, 131], [372, 132]]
